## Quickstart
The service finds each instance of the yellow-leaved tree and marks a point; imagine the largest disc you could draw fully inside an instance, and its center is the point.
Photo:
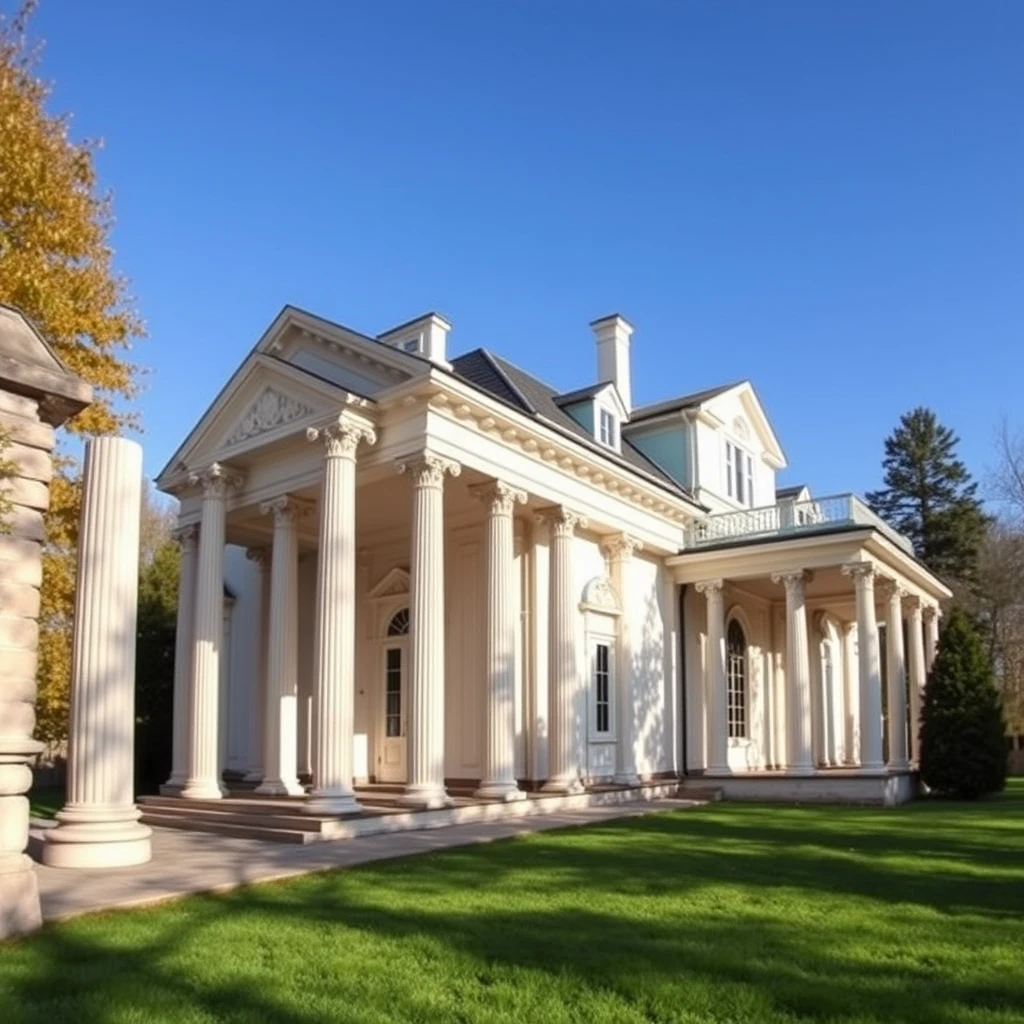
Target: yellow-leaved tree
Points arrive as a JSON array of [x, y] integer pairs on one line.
[[56, 266]]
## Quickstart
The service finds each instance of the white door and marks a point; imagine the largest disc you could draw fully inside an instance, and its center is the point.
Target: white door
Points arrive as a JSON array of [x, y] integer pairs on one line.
[[391, 767]]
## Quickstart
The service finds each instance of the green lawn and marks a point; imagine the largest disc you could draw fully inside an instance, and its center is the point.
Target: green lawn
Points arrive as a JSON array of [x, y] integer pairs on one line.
[[736, 913]]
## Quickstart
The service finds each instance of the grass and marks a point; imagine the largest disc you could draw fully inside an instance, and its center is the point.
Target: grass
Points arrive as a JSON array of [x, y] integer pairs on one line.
[[46, 801], [734, 913]]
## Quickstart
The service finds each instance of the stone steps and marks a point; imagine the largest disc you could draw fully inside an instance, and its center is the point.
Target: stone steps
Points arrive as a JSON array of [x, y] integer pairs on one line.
[[189, 823]]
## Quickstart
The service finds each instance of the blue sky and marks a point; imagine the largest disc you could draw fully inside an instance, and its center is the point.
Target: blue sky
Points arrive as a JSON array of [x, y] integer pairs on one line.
[[826, 198]]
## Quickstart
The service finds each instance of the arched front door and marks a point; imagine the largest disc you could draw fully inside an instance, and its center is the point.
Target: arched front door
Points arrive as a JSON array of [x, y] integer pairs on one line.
[[394, 699]]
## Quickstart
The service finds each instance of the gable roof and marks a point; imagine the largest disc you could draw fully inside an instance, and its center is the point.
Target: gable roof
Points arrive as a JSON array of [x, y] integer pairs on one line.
[[690, 401], [530, 395]]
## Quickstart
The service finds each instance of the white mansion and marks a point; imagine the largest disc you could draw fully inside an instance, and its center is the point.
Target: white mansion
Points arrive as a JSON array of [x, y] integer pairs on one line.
[[409, 567]]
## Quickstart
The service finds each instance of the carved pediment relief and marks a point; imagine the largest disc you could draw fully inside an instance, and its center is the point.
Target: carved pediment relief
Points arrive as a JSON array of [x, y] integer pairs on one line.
[[599, 596], [271, 409]]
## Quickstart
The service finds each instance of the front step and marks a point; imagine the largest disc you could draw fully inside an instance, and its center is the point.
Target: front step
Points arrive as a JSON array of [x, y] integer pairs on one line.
[[226, 828]]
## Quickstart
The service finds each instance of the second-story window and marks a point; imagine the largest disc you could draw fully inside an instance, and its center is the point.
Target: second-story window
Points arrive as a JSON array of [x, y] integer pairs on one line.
[[739, 474], [607, 428]]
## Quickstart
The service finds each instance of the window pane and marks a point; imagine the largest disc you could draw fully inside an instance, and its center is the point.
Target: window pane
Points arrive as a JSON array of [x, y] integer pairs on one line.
[[602, 689], [736, 680], [393, 693]]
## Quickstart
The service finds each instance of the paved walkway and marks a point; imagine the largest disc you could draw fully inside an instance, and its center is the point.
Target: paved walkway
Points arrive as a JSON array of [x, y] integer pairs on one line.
[[191, 862]]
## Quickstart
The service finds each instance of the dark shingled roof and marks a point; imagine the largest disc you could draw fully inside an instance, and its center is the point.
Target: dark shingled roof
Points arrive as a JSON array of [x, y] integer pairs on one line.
[[526, 393], [789, 492], [645, 412], [581, 394]]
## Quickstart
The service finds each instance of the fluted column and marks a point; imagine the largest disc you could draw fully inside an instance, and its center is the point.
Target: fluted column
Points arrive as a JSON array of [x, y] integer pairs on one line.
[[931, 641], [896, 677], [281, 722], [99, 825], [564, 695], [425, 785], [334, 655], [260, 557], [499, 776], [798, 673], [620, 551], [851, 690], [916, 673], [202, 781], [187, 537], [718, 698], [869, 666]]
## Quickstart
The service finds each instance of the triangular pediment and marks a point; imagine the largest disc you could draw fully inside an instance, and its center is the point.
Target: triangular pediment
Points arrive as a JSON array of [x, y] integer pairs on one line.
[[273, 408], [751, 418], [393, 584]]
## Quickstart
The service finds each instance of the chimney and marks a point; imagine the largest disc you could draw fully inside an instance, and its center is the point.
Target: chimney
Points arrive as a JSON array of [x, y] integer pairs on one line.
[[612, 334]]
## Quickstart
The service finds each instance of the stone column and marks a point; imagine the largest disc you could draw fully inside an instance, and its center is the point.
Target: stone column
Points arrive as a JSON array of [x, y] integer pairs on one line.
[[869, 667], [798, 673], [916, 674], [620, 551], [202, 781], [718, 701], [334, 655], [99, 825], [931, 642], [281, 722], [896, 678], [260, 557], [186, 537], [425, 786], [851, 692], [499, 776], [563, 662]]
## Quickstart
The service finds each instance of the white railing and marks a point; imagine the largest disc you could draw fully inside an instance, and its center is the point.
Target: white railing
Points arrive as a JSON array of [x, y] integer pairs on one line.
[[791, 517]]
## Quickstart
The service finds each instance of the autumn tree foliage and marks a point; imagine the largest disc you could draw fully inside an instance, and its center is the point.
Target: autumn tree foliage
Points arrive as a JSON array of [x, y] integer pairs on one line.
[[56, 265]]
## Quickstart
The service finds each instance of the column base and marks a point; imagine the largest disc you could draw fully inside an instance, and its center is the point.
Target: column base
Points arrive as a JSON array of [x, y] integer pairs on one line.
[[171, 788], [330, 802], [425, 797], [97, 837], [253, 775], [280, 787], [507, 791], [566, 786], [203, 789], [19, 896], [626, 779]]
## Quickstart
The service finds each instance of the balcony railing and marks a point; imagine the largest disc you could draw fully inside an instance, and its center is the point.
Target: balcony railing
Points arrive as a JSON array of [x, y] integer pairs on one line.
[[791, 518]]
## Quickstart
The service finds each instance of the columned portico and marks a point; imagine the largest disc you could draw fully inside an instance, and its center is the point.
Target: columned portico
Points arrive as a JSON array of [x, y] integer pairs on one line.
[[718, 740], [335, 631], [499, 780], [931, 640], [563, 663], [915, 634], [187, 538], [202, 780], [260, 557], [280, 720], [863, 574], [620, 550], [897, 680], [798, 673], [425, 787]]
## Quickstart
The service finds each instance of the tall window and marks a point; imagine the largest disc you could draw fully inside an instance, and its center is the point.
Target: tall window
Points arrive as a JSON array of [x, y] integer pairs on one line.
[[393, 693], [607, 428], [602, 689], [736, 677], [739, 474]]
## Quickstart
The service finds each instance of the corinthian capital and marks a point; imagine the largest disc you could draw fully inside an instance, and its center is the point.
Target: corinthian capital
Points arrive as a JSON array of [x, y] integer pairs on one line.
[[560, 520], [285, 509], [793, 581], [710, 588], [862, 573], [186, 536], [621, 547], [341, 439], [216, 479], [499, 497], [428, 469]]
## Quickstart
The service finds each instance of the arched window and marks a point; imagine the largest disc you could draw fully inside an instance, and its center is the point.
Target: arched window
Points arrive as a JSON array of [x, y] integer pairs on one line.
[[736, 676], [399, 624]]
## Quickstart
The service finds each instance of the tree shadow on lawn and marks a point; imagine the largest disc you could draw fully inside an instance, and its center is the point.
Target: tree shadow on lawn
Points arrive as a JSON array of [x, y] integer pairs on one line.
[[662, 915]]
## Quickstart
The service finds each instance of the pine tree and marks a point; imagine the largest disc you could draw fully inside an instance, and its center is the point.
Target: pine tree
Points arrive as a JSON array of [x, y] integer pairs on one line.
[[963, 746], [929, 496], [56, 267]]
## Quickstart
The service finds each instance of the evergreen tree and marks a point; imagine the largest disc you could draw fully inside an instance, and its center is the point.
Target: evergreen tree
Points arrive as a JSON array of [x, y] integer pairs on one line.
[[963, 747], [929, 496], [56, 266]]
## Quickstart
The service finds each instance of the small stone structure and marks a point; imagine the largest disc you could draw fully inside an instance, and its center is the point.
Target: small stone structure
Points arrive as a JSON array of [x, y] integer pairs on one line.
[[37, 394]]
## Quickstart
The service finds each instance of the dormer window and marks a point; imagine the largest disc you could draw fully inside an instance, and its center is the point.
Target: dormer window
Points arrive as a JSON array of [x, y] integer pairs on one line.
[[412, 345], [608, 429], [739, 474]]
